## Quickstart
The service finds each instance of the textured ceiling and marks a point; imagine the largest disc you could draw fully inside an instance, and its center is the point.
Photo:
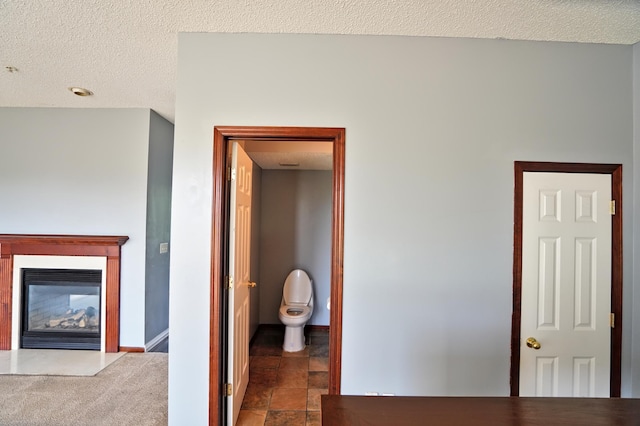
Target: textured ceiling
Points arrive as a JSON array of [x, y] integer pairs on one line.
[[125, 51]]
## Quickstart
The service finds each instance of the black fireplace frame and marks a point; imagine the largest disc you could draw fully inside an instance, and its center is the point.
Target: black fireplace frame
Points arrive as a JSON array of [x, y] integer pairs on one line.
[[31, 339]]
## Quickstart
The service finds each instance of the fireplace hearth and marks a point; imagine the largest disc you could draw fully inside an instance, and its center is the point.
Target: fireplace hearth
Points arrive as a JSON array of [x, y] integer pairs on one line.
[[61, 309]]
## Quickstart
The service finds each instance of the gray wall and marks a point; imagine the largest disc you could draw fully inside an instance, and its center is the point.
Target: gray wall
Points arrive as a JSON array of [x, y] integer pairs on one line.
[[85, 172], [159, 171], [295, 233], [256, 212], [433, 126]]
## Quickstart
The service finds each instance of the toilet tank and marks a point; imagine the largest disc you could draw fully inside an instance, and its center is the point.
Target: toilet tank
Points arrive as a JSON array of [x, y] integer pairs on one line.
[[297, 288]]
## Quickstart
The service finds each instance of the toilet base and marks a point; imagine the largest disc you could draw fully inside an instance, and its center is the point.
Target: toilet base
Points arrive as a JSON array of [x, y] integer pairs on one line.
[[293, 339]]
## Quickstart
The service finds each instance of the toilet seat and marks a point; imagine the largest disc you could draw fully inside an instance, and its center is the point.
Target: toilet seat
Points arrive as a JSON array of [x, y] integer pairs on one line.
[[299, 311]]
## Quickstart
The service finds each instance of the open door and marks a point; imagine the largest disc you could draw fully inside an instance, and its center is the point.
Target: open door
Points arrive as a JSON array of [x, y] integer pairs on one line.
[[238, 281]]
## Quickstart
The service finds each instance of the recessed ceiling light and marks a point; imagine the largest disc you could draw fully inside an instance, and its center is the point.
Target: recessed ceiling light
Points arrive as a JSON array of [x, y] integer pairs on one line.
[[80, 91]]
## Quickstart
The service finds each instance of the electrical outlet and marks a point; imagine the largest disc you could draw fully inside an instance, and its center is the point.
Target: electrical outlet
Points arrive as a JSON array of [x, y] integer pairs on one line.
[[164, 248]]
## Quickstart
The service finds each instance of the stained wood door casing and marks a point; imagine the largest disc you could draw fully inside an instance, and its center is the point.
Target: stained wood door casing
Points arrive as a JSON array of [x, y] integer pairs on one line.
[[615, 171], [219, 249]]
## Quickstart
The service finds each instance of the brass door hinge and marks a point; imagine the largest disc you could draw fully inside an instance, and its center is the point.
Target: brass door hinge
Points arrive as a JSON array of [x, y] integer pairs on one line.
[[228, 389], [231, 173], [612, 320], [612, 207], [228, 282]]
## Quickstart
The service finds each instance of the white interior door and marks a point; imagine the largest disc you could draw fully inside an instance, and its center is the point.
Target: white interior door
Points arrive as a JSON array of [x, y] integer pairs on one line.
[[239, 267], [566, 285]]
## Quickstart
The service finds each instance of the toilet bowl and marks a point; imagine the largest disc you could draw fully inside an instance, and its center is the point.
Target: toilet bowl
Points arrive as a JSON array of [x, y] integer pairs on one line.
[[296, 308]]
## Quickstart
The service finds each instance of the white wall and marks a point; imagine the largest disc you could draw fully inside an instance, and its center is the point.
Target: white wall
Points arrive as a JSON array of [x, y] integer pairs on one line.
[[433, 126], [295, 233], [81, 171]]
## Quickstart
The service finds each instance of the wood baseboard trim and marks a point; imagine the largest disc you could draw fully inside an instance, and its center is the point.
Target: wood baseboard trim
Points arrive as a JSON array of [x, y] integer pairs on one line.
[[308, 328], [131, 349]]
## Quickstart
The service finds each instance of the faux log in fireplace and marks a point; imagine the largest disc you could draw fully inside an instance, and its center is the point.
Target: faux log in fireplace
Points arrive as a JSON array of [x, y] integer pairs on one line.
[[63, 245]]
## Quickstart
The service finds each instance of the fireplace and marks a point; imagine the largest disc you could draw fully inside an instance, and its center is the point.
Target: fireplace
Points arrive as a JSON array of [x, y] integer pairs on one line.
[[61, 309], [19, 251]]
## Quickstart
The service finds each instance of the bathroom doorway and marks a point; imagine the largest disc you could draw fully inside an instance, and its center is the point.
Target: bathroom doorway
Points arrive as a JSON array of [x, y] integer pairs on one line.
[[218, 326]]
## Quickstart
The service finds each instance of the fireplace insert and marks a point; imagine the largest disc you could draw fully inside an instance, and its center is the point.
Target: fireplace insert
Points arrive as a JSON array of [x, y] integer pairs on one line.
[[61, 309]]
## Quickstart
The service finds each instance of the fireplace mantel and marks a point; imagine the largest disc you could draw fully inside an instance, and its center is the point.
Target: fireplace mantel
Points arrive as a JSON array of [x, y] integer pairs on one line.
[[62, 245]]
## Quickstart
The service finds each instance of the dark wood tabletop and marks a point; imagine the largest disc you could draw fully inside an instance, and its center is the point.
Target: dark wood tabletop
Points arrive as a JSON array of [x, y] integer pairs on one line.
[[480, 411]]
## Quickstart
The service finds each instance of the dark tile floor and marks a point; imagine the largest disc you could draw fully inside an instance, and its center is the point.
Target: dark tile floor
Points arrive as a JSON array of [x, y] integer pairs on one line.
[[285, 387]]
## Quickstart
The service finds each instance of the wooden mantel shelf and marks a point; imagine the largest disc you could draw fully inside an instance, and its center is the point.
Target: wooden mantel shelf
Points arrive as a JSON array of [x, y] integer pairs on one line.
[[62, 245]]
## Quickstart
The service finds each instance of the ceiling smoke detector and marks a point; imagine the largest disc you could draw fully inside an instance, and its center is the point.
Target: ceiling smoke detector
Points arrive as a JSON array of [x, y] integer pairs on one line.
[[79, 91]]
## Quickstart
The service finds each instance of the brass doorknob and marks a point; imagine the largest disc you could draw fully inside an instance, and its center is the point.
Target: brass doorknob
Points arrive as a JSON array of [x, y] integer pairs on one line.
[[251, 284], [533, 343]]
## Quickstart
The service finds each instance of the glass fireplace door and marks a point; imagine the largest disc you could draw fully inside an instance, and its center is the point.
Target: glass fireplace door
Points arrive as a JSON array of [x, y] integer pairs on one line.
[[61, 309]]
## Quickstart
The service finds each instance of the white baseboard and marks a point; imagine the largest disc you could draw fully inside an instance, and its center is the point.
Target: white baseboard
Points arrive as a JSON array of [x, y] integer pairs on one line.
[[150, 345]]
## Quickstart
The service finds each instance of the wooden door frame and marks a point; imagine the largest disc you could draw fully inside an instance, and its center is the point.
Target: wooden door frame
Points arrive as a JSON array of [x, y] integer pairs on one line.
[[219, 237], [615, 170]]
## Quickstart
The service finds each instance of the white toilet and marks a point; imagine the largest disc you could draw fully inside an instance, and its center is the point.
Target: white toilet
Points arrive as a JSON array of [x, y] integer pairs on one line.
[[296, 308]]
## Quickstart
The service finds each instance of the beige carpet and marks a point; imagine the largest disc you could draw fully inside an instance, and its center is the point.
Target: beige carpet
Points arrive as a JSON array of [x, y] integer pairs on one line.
[[131, 391]]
